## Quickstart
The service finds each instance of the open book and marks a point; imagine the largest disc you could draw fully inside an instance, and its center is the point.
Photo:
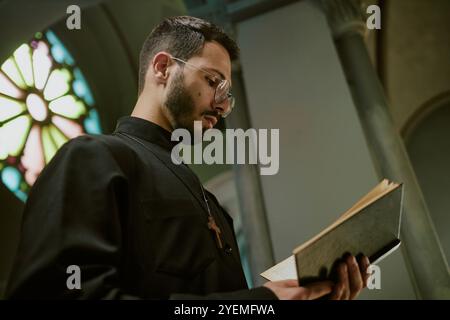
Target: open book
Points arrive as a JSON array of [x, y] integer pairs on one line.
[[371, 227]]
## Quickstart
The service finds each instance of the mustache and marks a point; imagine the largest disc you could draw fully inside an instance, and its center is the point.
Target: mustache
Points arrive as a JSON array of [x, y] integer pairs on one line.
[[211, 113]]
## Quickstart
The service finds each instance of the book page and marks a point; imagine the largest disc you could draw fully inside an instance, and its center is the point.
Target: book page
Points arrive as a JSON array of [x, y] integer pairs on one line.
[[286, 269], [281, 271], [380, 190]]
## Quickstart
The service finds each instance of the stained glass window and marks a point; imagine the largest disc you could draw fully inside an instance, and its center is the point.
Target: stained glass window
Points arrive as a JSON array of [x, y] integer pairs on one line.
[[44, 101]]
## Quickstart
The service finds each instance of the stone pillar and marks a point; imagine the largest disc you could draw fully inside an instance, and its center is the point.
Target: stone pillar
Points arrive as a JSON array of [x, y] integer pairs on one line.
[[421, 249], [248, 184]]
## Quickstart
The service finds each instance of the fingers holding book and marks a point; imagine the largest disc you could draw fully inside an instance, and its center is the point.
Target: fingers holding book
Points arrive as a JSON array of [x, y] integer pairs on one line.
[[290, 289], [352, 277]]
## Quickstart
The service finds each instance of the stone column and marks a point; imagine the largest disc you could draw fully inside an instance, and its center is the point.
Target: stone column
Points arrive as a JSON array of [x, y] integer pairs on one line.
[[251, 198], [423, 254]]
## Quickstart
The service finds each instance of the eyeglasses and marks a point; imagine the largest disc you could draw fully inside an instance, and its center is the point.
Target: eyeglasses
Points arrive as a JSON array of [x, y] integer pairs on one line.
[[222, 93]]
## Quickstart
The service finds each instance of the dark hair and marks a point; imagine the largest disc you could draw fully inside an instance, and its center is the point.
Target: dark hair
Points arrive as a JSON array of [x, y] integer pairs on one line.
[[182, 37]]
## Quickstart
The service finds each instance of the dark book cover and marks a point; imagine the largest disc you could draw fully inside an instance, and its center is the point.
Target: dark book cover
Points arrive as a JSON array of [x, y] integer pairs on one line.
[[371, 227]]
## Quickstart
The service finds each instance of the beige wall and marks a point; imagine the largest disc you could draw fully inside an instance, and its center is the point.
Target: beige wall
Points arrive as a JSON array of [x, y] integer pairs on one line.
[[416, 51]]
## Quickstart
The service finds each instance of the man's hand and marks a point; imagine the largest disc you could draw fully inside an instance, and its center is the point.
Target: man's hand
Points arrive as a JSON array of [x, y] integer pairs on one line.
[[290, 290], [352, 278]]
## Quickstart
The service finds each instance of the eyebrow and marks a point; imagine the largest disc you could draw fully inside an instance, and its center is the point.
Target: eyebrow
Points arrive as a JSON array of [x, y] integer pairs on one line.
[[220, 75], [216, 71]]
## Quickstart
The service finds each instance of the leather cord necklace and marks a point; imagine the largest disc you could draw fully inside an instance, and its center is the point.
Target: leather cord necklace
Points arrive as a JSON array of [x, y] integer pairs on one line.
[[212, 225]]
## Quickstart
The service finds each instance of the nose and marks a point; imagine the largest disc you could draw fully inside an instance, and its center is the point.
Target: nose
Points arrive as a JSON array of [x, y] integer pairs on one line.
[[221, 108], [218, 108]]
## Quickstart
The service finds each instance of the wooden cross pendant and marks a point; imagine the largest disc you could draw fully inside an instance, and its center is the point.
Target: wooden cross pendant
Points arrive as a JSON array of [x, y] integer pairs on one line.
[[214, 227]]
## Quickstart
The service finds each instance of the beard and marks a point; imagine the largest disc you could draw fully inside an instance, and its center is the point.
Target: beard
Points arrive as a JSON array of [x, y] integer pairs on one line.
[[179, 105]]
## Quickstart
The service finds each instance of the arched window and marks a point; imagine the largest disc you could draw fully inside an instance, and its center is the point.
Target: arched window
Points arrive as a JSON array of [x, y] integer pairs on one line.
[[44, 101]]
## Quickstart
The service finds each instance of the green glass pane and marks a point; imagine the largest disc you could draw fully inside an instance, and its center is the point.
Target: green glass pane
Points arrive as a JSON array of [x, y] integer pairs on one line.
[[49, 147], [10, 108], [23, 60], [3, 151], [57, 136], [14, 134], [23, 186], [68, 106], [10, 69], [42, 64], [58, 84]]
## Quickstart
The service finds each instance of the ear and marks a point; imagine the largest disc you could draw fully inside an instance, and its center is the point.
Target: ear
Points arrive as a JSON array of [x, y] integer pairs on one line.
[[160, 66]]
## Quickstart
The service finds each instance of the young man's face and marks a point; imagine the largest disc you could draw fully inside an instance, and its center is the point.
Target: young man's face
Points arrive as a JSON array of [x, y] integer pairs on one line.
[[191, 91]]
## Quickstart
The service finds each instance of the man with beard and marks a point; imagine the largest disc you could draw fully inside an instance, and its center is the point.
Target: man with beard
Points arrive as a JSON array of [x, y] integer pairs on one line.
[[134, 223]]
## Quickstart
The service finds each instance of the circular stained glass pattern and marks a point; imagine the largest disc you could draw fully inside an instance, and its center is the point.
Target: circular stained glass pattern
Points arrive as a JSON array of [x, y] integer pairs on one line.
[[44, 102]]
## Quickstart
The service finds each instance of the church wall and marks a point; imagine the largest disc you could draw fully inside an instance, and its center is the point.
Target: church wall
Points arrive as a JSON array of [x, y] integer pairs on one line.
[[294, 82], [416, 50]]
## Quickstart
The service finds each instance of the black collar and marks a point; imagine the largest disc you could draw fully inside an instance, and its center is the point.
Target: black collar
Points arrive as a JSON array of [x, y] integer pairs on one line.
[[145, 130]]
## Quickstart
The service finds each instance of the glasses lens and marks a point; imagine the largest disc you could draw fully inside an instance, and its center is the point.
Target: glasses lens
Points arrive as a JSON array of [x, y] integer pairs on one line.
[[222, 91], [223, 96], [230, 108]]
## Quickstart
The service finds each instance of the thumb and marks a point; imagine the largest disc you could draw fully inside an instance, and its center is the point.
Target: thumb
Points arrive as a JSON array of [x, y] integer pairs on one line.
[[289, 283], [319, 289]]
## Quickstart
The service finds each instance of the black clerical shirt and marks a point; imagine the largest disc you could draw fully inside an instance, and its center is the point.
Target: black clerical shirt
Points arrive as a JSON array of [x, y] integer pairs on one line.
[[135, 223]]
